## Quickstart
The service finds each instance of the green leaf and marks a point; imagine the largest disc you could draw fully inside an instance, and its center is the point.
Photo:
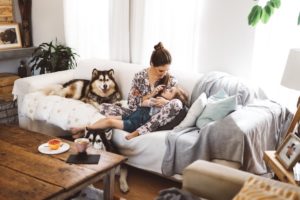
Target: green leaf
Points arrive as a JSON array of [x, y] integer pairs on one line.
[[299, 19], [265, 17], [255, 15], [271, 4], [269, 10], [276, 3]]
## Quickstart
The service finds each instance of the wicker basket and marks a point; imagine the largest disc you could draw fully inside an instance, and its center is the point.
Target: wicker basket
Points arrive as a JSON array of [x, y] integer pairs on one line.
[[8, 112], [6, 85]]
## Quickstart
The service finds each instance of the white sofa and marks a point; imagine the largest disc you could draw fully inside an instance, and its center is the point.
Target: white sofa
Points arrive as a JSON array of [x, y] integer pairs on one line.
[[145, 152]]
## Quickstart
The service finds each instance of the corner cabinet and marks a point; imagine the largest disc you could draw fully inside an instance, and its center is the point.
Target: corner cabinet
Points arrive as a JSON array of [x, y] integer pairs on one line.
[[16, 53]]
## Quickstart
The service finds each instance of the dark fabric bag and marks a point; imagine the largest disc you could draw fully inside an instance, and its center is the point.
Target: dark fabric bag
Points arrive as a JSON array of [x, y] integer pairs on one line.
[[175, 194]]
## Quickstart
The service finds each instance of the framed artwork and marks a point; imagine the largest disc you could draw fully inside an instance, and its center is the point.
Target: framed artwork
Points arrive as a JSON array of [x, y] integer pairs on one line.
[[288, 152], [10, 36]]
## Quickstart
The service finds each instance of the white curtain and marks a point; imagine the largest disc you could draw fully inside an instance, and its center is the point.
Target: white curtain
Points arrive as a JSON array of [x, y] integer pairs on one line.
[[272, 44], [119, 33], [98, 28], [174, 23], [127, 30], [86, 27]]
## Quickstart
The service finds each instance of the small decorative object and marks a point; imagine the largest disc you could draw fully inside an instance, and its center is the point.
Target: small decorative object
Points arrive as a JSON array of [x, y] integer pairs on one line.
[[289, 151], [10, 36], [49, 57], [22, 69], [25, 11]]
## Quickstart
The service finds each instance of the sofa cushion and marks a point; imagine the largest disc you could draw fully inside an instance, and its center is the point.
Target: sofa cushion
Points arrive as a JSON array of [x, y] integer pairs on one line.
[[257, 189], [218, 106], [193, 113]]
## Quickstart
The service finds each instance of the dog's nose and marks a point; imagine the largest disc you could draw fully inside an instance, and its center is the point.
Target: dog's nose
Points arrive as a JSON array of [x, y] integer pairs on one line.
[[105, 86]]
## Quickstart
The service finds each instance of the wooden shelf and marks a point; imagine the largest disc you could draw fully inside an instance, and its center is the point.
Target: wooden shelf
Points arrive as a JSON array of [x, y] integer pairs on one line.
[[16, 53]]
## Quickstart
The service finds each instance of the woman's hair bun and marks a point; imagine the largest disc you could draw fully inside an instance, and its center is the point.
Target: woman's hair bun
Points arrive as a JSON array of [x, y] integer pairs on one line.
[[159, 46], [160, 56]]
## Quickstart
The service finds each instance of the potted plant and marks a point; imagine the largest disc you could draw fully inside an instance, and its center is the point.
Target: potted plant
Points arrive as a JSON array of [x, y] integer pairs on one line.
[[50, 57]]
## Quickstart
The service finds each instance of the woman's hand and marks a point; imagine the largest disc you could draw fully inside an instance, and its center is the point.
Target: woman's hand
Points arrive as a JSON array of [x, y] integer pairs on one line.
[[147, 98], [158, 89]]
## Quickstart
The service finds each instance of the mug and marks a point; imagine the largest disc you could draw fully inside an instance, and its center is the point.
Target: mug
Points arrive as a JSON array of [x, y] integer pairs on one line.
[[81, 144]]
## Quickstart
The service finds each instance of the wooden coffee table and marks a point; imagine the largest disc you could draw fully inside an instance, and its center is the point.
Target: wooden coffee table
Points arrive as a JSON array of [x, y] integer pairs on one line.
[[25, 173]]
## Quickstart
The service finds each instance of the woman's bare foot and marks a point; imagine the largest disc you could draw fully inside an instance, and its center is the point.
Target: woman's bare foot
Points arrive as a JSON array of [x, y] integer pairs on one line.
[[77, 132], [132, 135]]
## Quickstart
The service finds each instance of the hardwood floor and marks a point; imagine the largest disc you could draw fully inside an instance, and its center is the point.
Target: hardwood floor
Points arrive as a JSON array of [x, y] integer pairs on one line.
[[143, 185]]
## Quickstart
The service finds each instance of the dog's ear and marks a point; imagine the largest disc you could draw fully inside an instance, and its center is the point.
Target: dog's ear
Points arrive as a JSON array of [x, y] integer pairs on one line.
[[111, 72], [108, 133], [95, 73]]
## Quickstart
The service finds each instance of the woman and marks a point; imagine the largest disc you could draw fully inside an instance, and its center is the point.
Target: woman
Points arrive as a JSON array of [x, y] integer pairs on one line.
[[146, 85]]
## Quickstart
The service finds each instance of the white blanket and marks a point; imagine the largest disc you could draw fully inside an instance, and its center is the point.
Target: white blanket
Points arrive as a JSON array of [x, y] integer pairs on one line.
[[62, 112]]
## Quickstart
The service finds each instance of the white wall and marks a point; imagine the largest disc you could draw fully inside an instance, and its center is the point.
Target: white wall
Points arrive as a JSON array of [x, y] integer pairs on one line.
[[226, 40], [47, 21]]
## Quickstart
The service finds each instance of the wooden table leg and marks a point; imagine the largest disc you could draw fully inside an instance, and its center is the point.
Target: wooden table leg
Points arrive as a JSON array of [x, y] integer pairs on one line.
[[109, 184]]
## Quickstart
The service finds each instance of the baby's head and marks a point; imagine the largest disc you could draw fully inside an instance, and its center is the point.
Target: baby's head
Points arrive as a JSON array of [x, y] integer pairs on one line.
[[175, 92]]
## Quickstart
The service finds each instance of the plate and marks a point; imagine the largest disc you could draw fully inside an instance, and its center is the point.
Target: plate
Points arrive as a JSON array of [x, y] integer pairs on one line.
[[44, 148]]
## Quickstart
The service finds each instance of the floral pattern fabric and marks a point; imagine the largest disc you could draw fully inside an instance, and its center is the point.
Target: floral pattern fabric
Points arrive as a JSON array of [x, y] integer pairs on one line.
[[141, 86], [166, 114]]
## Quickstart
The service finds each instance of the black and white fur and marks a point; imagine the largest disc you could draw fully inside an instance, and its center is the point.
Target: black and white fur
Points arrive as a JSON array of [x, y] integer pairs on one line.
[[102, 88], [101, 139]]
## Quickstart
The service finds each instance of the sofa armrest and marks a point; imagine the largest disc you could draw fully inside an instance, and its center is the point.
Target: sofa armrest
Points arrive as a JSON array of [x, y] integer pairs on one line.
[[213, 181], [29, 84]]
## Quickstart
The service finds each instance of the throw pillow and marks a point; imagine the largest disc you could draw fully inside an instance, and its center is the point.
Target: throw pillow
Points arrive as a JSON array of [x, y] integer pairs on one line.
[[221, 94], [215, 110], [257, 189], [194, 112]]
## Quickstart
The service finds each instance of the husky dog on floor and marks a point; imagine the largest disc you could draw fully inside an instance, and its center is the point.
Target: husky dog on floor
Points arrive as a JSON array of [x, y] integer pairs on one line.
[[102, 88], [101, 139]]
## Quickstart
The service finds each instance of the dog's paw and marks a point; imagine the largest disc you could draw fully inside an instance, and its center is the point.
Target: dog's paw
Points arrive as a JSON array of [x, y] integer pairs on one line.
[[124, 186]]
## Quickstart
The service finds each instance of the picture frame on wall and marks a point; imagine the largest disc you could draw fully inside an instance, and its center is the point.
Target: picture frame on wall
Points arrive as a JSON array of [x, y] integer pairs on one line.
[[288, 152], [10, 36]]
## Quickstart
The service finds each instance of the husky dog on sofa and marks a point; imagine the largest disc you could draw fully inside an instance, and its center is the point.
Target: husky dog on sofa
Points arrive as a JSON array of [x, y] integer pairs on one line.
[[102, 88], [101, 139]]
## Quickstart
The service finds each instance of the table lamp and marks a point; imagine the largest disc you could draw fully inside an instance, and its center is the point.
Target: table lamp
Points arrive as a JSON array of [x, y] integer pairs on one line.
[[291, 79]]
